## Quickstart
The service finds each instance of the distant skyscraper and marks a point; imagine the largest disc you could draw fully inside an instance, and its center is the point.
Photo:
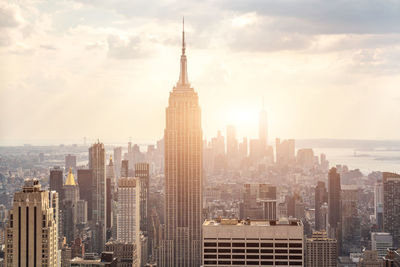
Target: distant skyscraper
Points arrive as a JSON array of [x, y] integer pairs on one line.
[[117, 161], [56, 181], [321, 251], [391, 205], [285, 151], [124, 168], [231, 142], [183, 175], [263, 130], [32, 237], [110, 185], [350, 221], [97, 164], [334, 216], [254, 198], [85, 178], [321, 197], [128, 210], [378, 204], [70, 162], [142, 172]]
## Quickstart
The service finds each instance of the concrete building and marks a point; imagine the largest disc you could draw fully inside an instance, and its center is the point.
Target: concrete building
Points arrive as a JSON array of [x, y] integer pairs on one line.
[[381, 242], [391, 210], [124, 252], [142, 172], [285, 152], [321, 250], [117, 162], [183, 174], [230, 242], [378, 204], [32, 234]]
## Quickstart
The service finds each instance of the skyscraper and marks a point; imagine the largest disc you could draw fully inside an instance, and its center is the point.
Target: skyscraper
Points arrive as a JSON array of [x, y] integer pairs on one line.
[[110, 182], [117, 161], [32, 236], [85, 178], [124, 168], [183, 174], [97, 158], [56, 180], [334, 216], [69, 207], [231, 142], [142, 172], [128, 209], [391, 205], [70, 162], [321, 197], [263, 130], [321, 251]]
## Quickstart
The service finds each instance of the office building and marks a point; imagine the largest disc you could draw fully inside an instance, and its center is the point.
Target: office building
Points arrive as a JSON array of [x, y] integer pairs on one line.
[[263, 130], [183, 175], [128, 210], [378, 204], [334, 216], [381, 242], [350, 221], [321, 197], [97, 164], [32, 234], [124, 168], [231, 142], [230, 242], [85, 178], [117, 161], [70, 162], [285, 152], [110, 185], [321, 251], [391, 206], [69, 207], [370, 258], [56, 181], [142, 172]]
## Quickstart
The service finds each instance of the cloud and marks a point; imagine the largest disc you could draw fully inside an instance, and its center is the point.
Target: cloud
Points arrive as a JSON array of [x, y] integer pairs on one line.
[[326, 17], [9, 16], [131, 47]]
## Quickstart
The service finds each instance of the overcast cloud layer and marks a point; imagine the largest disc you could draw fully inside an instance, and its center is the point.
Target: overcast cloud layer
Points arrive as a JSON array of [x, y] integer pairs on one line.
[[104, 69]]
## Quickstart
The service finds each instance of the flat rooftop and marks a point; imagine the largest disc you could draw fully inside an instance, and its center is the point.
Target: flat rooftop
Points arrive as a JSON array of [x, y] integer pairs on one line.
[[236, 222]]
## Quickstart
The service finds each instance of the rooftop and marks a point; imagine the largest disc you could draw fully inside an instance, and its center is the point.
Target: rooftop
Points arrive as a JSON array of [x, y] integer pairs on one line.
[[248, 222]]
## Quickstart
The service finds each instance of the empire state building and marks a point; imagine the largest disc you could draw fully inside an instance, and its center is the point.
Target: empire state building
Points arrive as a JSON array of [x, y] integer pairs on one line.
[[181, 246]]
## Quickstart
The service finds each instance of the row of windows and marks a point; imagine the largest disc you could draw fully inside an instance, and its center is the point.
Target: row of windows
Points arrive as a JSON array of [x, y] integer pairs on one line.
[[254, 245], [283, 263], [277, 257], [280, 251]]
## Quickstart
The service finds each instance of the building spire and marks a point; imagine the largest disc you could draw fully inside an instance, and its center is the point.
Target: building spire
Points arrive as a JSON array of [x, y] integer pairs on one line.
[[183, 76]]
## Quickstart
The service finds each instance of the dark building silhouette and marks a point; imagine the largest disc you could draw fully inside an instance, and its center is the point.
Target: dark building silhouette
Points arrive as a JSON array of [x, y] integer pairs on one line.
[[334, 216], [391, 205], [56, 181], [85, 177]]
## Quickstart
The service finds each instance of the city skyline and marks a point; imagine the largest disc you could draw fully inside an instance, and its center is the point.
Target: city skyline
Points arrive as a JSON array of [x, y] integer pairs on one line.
[[297, 68]]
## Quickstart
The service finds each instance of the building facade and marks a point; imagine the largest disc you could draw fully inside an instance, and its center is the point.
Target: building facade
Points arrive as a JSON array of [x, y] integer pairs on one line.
[[321, 251], [391, 206], [231, 242], [32, 233], [183, 175]]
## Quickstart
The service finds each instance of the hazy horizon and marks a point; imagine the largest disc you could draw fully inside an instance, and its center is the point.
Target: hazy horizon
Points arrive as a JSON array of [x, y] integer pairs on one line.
[[73, 69]]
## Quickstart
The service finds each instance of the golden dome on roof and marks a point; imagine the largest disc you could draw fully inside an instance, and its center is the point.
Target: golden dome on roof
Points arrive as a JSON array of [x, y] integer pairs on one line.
[[70, 178]]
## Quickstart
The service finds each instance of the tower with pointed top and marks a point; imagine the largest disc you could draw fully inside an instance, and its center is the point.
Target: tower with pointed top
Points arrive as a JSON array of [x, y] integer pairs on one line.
[[181, 246], [69, 207]]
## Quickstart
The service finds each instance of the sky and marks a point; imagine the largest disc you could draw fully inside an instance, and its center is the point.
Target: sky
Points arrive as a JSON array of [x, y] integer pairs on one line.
[[104, 69]]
